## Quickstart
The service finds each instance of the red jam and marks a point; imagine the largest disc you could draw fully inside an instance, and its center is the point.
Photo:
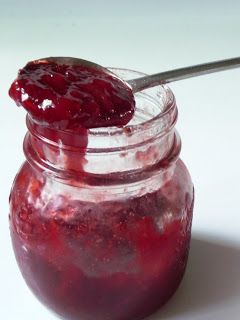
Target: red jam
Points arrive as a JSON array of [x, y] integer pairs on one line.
[[116, 250], [72, 96]]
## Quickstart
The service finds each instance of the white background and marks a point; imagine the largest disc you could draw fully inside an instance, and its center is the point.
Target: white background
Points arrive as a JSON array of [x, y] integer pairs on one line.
[[148, 36]]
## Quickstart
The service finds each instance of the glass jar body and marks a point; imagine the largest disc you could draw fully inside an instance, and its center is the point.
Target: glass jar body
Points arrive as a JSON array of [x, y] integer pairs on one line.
[[102, 254]]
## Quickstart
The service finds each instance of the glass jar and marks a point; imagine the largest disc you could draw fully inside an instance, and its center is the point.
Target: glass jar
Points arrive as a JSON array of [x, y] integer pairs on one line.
[[101, 223]]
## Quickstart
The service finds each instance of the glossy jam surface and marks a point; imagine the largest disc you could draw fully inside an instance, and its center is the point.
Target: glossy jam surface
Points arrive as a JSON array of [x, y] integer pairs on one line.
[[69, 97], [101, 260]]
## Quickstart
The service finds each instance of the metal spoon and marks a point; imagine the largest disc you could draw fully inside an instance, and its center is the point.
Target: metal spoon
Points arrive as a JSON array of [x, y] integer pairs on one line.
[[145, 82]]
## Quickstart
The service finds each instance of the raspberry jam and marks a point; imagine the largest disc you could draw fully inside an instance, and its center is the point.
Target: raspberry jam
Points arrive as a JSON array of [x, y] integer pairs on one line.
[[70, 96], [101, 226]]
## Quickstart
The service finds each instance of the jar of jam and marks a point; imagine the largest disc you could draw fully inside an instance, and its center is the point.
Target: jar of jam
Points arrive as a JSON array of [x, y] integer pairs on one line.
[[102, 232]]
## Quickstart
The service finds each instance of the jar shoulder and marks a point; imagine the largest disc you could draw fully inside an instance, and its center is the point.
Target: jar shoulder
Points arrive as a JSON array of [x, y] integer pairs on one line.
[[29, 181], [34, 193]]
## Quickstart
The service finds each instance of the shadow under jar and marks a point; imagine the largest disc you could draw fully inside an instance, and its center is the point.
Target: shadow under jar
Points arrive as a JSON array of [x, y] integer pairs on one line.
[[101, 220]]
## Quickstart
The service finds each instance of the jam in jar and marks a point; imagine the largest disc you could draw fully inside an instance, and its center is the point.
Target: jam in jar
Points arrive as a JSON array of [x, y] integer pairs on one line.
[[100, 218]]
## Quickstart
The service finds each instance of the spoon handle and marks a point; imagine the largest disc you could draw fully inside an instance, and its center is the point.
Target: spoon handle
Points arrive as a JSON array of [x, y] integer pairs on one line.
[[183, 73]]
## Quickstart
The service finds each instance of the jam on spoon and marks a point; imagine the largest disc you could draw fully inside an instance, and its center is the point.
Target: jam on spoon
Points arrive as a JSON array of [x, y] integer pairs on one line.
[[70, 92], [68, 95]]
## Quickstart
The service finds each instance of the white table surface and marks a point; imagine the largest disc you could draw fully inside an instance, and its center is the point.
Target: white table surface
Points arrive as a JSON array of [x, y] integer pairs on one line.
[[148, 36]]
